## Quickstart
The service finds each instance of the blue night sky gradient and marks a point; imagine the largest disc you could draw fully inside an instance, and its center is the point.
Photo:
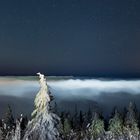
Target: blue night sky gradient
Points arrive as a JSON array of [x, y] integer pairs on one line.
[[70, 37]]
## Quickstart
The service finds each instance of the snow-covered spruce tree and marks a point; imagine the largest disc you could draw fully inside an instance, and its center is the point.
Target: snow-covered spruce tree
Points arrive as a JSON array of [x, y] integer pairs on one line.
[[131, 129], [8, 120], [116, 126], [17, 135], [96, 128], [8, 123], [44, 124], [1, 134], [67, 128]]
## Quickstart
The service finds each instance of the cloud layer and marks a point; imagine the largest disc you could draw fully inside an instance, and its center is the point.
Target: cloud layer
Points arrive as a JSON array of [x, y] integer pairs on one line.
[[107, 93]]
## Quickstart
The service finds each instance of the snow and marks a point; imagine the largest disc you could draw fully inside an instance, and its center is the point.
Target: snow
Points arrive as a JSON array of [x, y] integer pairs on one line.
[[44, 125]]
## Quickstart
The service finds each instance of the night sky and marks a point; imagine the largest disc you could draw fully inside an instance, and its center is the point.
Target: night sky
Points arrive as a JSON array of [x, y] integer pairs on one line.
[[70, 37]]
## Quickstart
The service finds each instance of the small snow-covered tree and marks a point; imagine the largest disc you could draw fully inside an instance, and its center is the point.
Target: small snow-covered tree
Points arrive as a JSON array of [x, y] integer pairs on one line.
[[44, 124], [8, 123], [67, 127], [1, 134], [17, 133], [131, 129], [8, 119], [96, 128], [116, 125]]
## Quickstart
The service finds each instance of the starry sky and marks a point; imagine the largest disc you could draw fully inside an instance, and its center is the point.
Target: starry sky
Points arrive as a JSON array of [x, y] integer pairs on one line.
[[70, 37]]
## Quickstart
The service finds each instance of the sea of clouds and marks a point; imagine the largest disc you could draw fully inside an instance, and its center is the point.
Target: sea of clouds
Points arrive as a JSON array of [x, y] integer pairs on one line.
[[20, 92]]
